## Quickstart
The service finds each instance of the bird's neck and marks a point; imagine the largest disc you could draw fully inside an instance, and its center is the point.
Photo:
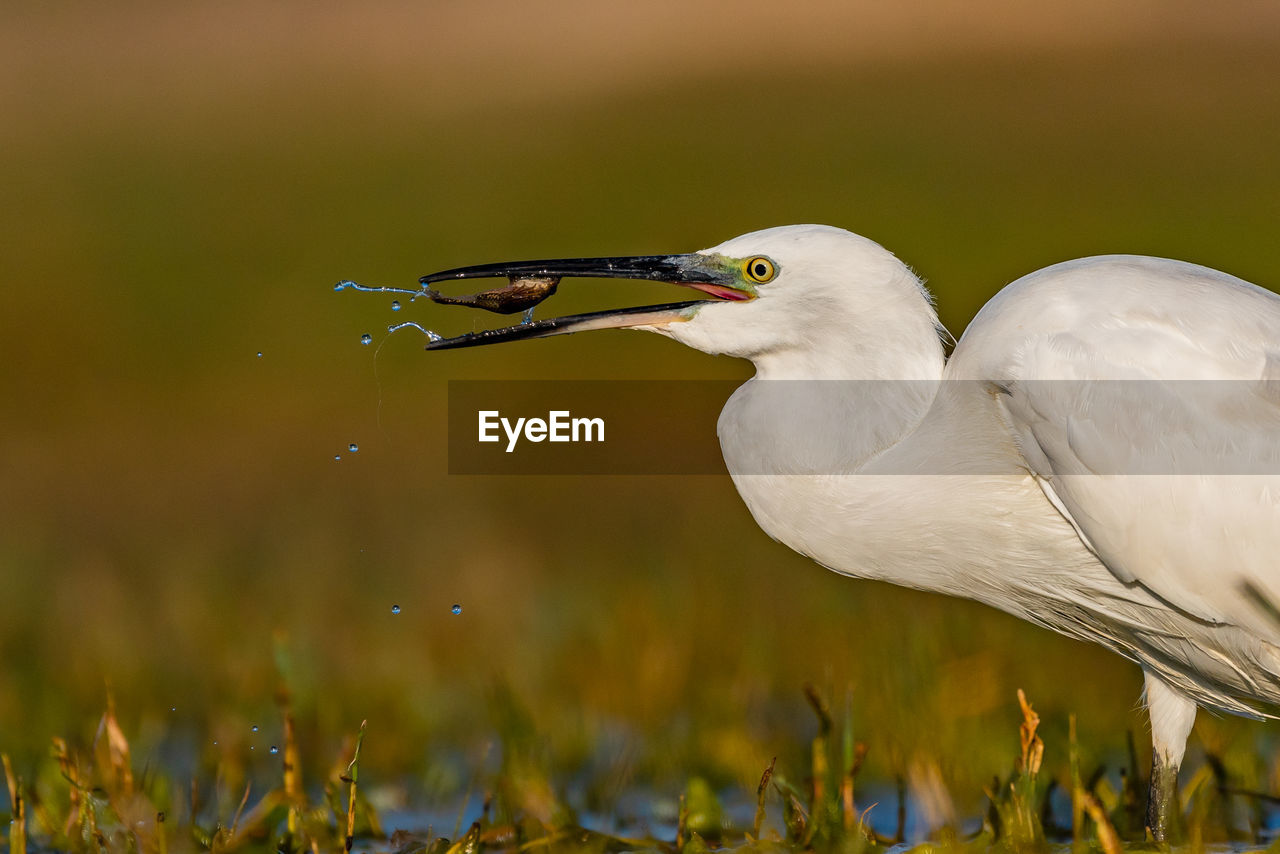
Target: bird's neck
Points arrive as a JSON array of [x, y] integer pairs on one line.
[[793, 434], [831, 409]]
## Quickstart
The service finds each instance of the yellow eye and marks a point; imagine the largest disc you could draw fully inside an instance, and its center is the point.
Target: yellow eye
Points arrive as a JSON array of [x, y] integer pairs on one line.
[[760, 269]]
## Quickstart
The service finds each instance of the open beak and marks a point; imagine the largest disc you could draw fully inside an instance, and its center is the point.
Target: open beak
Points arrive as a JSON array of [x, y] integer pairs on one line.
[[709, 274]]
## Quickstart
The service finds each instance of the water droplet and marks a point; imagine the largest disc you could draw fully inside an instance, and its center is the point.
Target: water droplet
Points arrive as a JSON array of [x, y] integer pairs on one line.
[[337, 456], [456, 609], [353, 447], [173, 708], [275, 749], [396, 327], [255, 727], [395, 305], [366, 338], [259, 354], [215, 744], [395, 609], [251, 747]]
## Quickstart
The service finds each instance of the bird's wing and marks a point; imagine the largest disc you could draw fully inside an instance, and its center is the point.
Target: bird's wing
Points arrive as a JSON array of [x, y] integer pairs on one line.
[[1144, 395]]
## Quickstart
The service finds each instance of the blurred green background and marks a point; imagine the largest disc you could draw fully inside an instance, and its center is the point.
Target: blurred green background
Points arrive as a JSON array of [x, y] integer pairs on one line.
[[183, 184]]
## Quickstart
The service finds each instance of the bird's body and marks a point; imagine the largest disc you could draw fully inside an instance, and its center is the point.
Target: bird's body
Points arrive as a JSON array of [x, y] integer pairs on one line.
[[1100, 455], [979, 484]]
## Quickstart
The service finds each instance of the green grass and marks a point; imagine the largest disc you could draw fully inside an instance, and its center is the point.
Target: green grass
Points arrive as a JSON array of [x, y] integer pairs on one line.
[[95, 798], [171, 503]]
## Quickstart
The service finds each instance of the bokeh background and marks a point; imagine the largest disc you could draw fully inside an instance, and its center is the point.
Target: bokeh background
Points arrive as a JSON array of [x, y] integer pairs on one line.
[[183, 183]]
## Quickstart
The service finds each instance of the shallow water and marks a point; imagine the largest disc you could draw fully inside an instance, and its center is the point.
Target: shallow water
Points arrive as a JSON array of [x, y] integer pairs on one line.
[[642, 813], [645, 814]]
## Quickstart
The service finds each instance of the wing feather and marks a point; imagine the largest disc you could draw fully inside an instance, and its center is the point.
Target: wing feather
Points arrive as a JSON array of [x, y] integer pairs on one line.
[[1144, 395]]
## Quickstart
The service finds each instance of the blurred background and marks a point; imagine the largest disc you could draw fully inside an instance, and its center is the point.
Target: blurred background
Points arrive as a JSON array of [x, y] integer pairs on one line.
[[184, 183]]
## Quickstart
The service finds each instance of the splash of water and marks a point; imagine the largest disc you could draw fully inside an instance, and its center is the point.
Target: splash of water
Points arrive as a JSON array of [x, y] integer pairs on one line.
[[376, 289], [431, 335]]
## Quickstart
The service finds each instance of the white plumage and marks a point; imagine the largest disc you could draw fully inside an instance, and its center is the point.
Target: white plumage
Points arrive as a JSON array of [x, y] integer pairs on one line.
[[1099, 455]]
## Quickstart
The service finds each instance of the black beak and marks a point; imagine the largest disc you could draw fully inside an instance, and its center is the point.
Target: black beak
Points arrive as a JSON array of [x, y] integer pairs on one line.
[[707, 273]]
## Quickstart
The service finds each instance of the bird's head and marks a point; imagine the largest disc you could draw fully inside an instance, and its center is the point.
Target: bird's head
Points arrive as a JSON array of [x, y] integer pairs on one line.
[[807, 291]]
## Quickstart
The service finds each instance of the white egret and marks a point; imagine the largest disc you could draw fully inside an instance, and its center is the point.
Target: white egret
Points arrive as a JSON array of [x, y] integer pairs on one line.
[[1016, 472]]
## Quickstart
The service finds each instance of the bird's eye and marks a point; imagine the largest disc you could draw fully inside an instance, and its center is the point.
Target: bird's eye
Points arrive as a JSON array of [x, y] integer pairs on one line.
[[760, 269]]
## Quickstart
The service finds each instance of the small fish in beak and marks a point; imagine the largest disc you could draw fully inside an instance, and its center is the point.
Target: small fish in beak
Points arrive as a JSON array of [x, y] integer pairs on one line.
[[520, 294]]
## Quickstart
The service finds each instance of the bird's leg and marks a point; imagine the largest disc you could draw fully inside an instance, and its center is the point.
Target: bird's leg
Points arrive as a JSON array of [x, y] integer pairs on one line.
[[1172, 715], [1162, 798]]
